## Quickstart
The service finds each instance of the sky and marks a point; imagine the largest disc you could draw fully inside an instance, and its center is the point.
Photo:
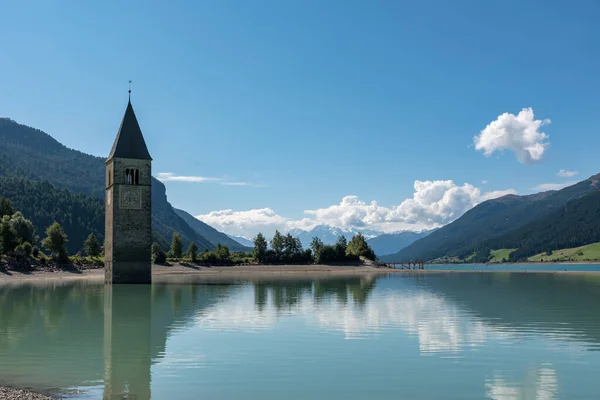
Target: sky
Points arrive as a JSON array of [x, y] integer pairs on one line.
[[263, 115]]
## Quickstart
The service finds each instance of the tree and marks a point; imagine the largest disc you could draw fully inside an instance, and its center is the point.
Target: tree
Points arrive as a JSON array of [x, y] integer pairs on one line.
[[158, 254], [358, 247], [340, 248], [176, 246], [8, 236], [5, 207], [91, 246], [55, 242], [317, 246], [260, 248], [15, 229], [222, 253], [193, 251], [24, 249], [277, 244], [292, 247], [23, 228]]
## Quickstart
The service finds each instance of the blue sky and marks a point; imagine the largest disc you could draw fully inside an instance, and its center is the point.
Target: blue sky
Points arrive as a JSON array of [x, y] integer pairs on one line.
[[300, 104]]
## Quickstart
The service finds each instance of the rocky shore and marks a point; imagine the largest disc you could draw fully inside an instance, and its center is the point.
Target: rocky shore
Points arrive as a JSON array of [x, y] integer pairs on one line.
[[29, 265], [19, 394]]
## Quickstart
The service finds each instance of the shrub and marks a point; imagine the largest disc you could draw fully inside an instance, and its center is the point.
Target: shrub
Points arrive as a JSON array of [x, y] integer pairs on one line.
[[158, 254]]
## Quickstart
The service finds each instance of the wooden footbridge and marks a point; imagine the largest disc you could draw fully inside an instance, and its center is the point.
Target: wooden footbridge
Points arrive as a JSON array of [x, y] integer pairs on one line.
[[406, 264]]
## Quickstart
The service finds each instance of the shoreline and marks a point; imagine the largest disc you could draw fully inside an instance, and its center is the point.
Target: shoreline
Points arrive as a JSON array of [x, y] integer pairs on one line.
[[262, 271], [11, 393]]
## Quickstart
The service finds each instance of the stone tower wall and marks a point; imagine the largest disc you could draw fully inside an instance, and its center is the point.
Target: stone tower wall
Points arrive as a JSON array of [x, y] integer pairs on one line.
[[128, 223]]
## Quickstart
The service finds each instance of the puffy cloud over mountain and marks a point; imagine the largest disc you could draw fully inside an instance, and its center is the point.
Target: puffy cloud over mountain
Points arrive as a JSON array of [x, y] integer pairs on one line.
[[434, 203]]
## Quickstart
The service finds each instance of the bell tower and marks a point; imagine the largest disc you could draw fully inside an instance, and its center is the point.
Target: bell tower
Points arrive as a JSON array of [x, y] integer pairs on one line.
[[128, 228]]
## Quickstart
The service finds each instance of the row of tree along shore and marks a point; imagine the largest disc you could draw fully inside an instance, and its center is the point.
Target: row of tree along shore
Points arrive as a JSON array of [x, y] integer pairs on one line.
[[282, 249], [20, 248]]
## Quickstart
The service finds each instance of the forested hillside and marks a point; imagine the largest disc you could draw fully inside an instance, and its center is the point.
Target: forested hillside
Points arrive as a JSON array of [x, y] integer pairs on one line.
[[30, 153], [26, 152], [575, 224], [42, 204], [490, 219]]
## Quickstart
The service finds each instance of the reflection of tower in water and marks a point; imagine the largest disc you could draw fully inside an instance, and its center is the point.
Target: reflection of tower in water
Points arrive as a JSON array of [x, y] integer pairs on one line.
[[127, 341]]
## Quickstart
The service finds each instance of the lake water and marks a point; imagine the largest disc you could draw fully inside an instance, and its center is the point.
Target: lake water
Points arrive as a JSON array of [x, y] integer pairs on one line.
[[429, 336], [514, 267]]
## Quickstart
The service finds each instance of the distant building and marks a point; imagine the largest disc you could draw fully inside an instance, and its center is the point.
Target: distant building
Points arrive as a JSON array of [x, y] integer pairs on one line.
[[128, 237]]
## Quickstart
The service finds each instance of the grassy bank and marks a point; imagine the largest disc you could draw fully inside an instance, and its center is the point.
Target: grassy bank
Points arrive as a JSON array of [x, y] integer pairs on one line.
[[590, 252]]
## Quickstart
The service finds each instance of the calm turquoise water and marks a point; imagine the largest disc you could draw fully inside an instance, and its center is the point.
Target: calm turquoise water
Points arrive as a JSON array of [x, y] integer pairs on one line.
[[430, 336], [547, 267]]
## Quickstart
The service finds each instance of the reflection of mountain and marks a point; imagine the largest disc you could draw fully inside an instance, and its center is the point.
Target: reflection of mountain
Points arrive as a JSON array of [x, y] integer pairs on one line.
[[54, 335], [446, 312], [557, 305], [342, 305], [66, 323]]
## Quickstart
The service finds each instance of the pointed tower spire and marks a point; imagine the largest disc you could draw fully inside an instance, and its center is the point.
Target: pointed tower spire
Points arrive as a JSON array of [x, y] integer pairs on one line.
[[130, 142]]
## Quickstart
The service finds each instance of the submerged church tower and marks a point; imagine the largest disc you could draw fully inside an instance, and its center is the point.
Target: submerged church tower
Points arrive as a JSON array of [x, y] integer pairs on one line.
[[128, 235]]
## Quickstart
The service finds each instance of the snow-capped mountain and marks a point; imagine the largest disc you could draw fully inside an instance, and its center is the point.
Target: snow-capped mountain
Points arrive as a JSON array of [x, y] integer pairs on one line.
[[242, 240], [329, 234]]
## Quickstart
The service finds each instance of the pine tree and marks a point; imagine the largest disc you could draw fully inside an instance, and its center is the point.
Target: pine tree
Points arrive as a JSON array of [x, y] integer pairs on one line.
[[260, 248], [176, 246], [193, 251], [358, 247], [55, 242], [91, 246], [277, 244], [5, 207]]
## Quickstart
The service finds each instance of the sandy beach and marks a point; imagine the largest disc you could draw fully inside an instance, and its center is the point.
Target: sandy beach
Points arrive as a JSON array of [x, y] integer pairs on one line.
[[193, 270]]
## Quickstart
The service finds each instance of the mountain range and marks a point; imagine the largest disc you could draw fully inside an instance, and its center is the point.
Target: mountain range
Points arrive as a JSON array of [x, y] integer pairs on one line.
[[49, 182], [329, 234], [242, 240], [527, 225], [32, 162], [388, 243]]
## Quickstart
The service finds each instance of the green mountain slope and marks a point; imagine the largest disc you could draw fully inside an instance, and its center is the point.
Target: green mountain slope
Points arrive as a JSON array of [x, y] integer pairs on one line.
[[210, 233], [490, 219], [589, 252], [42, 203], [26, 152], [575, 224]]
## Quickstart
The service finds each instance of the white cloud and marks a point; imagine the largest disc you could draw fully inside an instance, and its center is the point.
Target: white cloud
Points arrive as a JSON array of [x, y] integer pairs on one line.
[[484, 182], [539, 384], [554, 186], [249, 223], [171, 177], [566, 174], [434, 203], [517, 133]]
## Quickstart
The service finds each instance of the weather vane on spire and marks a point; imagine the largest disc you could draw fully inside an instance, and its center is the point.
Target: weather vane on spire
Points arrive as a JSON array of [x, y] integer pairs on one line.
[[129, 90]]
